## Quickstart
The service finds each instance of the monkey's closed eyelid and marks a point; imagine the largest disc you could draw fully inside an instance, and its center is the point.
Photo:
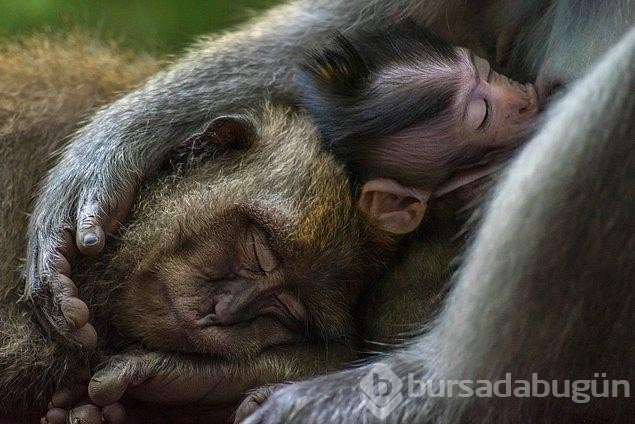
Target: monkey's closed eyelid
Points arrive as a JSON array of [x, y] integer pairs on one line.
[[486, 117]]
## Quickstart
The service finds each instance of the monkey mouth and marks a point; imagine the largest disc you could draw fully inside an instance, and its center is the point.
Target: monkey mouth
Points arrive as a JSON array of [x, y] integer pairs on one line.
[[278, 305], [242, 330]]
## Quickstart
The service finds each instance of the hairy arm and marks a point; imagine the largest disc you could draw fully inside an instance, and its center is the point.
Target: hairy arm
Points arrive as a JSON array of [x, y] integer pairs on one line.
[[203, 387], [89, 192]]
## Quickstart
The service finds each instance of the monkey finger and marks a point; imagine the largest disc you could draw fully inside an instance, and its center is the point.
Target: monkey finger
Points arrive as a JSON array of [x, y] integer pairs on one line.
[[254, 399], [114, 414], [96, 219], [55, 416], [84, 414], [105, 388], [86, 336], [63, 287], [63, 265], [90, 240], [75, 311], [67, 249], [90, 237], [69, 396]]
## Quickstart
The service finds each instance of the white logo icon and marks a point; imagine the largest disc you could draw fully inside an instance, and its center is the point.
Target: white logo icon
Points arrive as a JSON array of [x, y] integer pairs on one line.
[[381, 390]]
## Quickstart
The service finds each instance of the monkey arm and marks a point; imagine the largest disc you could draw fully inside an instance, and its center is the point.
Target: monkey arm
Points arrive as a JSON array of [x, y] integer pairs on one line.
[[89, 191], [187, 381]]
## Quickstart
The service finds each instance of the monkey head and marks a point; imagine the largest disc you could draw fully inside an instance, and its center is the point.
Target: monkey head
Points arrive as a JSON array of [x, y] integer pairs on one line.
[[413, 114], [255, 245]]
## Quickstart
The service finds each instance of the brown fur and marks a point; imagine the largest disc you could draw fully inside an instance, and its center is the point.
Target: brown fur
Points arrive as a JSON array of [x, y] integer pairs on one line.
[[48, 86]]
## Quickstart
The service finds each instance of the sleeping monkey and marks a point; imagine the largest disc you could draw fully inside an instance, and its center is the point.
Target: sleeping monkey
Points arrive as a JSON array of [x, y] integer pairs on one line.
[[412, 116]]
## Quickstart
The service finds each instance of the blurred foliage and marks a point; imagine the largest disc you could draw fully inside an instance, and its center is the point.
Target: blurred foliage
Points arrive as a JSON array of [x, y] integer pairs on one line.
[[162, 26]]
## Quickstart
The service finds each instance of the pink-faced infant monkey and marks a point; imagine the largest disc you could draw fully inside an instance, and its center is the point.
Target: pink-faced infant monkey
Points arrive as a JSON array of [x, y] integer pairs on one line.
[[412, 116]]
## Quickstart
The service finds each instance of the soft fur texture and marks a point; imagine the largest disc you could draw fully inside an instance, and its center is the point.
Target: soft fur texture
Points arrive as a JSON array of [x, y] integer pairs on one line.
[[280, 178], [48, 85]]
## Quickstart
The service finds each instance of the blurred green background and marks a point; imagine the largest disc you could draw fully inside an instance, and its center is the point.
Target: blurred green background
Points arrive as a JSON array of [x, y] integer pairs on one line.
[[161, 26]]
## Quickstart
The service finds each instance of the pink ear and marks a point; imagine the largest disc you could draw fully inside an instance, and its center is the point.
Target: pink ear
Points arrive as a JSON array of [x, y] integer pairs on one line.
[[393, 207]]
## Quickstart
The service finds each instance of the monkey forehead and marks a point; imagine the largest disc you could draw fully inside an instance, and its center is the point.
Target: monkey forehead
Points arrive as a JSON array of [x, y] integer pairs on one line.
[[414, 73], [284, 177]]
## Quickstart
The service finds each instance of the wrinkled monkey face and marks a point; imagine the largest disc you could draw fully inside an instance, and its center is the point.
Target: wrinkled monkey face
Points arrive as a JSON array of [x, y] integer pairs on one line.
[[223, 291], [494, 114], [253, 248], [496, 110]]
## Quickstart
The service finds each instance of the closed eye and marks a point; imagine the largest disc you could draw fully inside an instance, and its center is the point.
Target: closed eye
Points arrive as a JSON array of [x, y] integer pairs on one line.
[[476, 114], [486, 117]]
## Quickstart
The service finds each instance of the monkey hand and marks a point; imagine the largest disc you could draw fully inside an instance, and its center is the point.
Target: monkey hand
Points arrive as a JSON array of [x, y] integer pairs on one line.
[[161, 378], [254, 399], [67, 217], [71, 404]]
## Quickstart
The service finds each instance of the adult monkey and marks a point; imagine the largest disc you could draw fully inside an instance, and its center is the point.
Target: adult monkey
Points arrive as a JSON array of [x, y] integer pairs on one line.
[[539, 39], [91, 188], [202, 263], [546, 288]]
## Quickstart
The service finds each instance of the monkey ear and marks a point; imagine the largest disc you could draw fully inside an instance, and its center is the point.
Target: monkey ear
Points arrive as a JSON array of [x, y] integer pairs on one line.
[[393, 207], [224, 133], [232, 132]]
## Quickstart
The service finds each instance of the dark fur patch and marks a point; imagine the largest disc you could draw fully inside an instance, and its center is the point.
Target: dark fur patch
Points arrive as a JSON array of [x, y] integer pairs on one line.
[[340, 93]]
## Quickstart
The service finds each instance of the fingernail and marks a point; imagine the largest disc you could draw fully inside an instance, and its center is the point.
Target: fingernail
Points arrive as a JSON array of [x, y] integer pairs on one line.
[[90, 239]]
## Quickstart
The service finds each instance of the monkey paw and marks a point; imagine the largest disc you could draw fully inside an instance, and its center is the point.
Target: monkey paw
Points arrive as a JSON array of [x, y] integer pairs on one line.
[[161, 378], [64, 221], [254, 399], [71, 404]]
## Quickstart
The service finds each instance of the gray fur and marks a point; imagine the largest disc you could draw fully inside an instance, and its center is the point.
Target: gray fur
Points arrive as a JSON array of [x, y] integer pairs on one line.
[[124, 143], [545, 288]]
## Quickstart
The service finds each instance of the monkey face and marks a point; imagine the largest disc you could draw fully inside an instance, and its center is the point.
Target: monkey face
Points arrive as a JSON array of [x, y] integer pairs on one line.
[[406, 105], [498, 110], [221, 291], [254, 248]]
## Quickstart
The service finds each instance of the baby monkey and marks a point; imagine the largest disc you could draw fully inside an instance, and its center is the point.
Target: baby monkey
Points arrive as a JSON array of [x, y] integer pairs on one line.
[[412, 116]]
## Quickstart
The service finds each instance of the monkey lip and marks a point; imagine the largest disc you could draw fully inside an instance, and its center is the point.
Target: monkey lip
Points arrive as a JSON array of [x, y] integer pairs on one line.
[[279, 305], [239, 339], [242, 329]]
